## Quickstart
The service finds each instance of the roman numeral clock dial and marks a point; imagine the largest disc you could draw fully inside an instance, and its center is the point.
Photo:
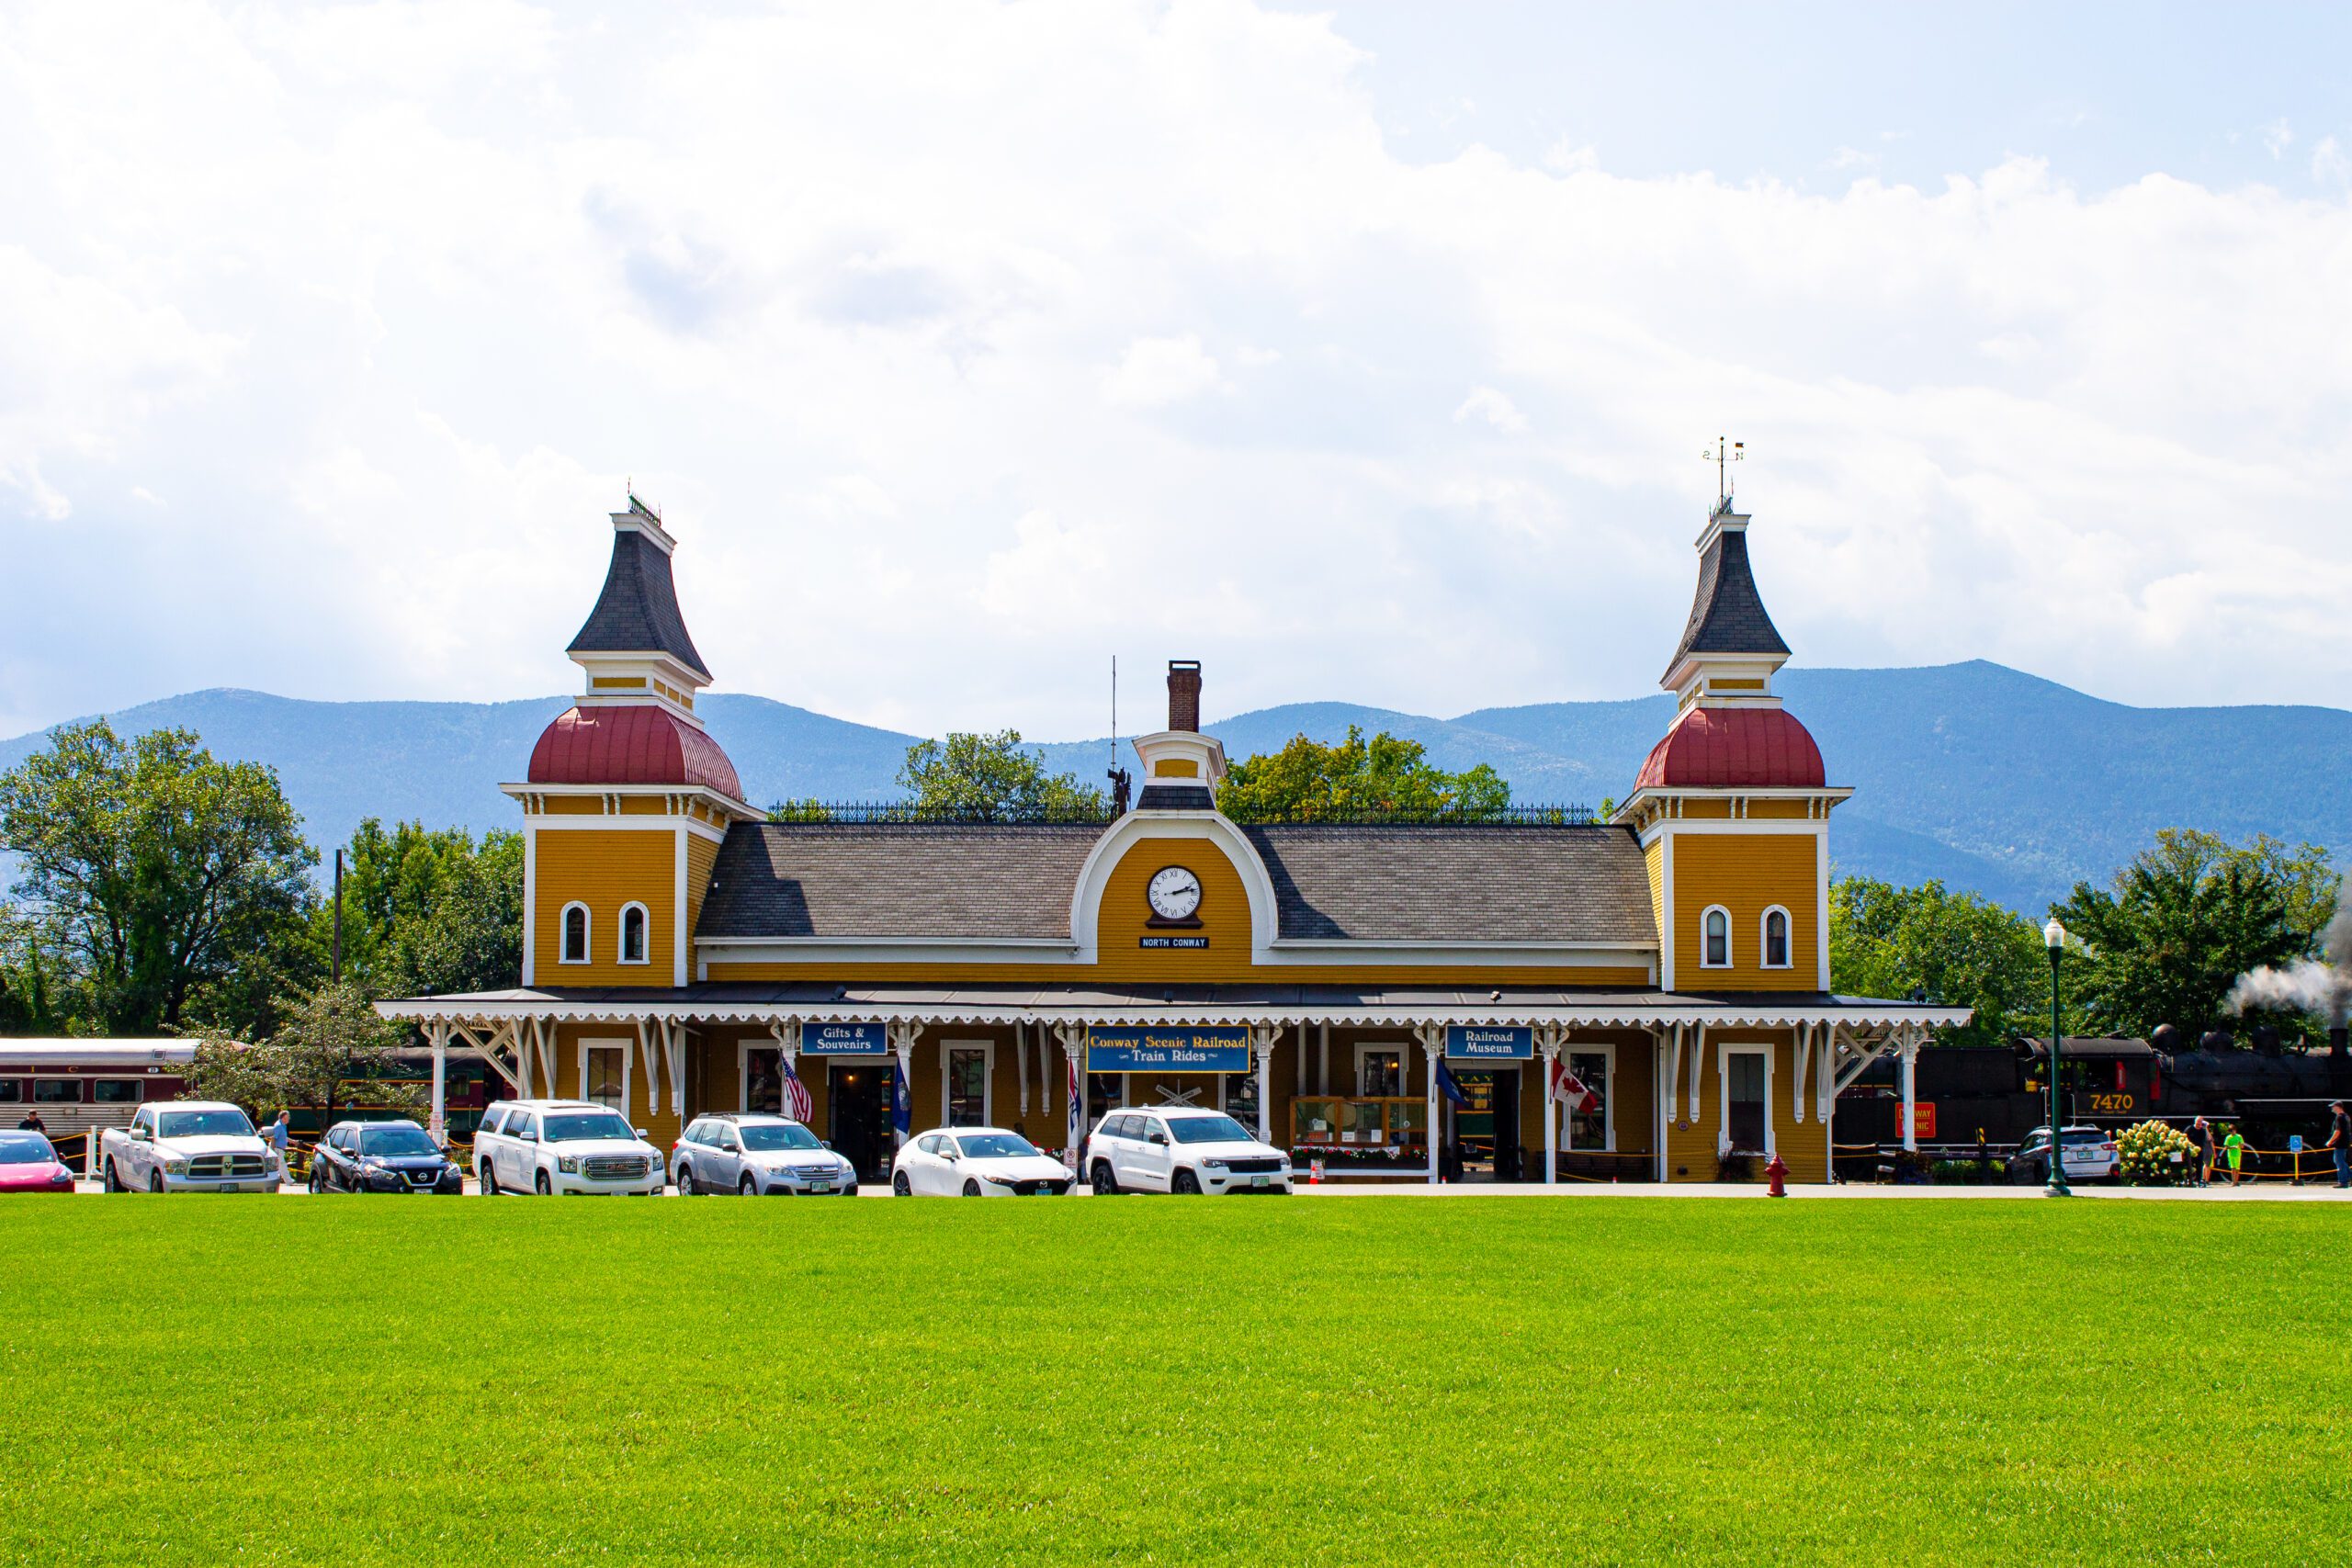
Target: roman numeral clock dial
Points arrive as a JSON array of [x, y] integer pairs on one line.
[[1174, 893]]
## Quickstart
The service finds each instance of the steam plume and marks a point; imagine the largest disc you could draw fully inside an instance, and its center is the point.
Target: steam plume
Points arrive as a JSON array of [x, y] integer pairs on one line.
[[2312, 986]]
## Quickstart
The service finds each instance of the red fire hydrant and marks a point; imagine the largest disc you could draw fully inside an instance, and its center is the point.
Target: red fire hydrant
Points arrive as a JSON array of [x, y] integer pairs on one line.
[[1777, 1173]]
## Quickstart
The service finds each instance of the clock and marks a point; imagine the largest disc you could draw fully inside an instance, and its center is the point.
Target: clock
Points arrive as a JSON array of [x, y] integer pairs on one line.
[[1174, 893]]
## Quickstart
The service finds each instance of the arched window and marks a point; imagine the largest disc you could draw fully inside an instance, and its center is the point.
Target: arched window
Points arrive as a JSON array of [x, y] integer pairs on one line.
[[575, 933], [632, 947], [1776, 937], [1715, 932]]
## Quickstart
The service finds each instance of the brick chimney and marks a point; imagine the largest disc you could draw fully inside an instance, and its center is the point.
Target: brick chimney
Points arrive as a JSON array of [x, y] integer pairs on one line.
[[1185, 695]]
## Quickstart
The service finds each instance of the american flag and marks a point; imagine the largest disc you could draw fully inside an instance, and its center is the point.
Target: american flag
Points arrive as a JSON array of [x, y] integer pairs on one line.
[[1568, 1086], [797, 1103]]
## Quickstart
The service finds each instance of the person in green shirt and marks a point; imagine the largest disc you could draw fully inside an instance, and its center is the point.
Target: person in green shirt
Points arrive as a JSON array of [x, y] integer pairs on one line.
[[2234, 1146]]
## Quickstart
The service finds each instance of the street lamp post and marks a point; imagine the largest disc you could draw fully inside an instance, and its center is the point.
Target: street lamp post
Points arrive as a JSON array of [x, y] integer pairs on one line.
[[2054, 936]]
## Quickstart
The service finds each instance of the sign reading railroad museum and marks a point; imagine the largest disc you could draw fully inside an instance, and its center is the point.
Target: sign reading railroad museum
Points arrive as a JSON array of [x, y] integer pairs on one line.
[[1162, 1049], [843, 1039], [1485, 1042]]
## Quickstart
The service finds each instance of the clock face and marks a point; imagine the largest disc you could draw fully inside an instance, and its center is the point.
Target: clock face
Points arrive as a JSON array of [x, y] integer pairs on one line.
[[1174, 893]]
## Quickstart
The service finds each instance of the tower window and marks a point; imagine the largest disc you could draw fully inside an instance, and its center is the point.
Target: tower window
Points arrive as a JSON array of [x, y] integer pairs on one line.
[[633, 933], [1714, 947], [1776, 937], [575, 933]]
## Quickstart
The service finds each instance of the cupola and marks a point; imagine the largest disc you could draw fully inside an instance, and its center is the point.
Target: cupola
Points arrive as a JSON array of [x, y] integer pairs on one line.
[[1730, 649], [1182, 767]]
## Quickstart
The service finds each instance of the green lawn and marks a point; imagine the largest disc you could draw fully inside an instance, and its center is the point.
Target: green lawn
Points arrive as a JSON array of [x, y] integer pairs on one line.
[[1361, 1380]]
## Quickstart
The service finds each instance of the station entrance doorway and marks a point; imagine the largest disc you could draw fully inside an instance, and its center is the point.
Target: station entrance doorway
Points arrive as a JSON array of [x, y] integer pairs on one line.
[[857, 1100], [1485, 1130]]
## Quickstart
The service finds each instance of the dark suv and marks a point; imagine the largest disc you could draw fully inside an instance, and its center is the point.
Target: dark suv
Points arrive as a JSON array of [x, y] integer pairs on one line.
[[382, 1156]]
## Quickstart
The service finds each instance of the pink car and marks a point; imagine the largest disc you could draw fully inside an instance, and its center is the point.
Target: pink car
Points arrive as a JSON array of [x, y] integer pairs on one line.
[[29, 1163]]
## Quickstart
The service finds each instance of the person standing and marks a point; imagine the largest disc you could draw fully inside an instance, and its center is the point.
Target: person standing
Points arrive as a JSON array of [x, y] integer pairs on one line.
[[2201, 1149], [2234, 1146], [275, 1132], [33, 1123], [2339, 1141]]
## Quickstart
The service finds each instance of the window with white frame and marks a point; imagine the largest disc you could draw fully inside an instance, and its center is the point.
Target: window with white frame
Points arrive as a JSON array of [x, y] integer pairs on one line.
[[1589, 1129], [632, 947], [1776, 937], [574, 949], [1380, 1071], [1746, 1089], [1238, 1097], [1715, 938], [604, 1073], [965, 1092]]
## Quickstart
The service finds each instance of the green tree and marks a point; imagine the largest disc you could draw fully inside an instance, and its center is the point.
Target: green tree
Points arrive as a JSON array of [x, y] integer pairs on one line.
[[991, 778], [2168, 937], [1958, 948], [426, 910], [1307, 779], [329, 1037], [147, 869]]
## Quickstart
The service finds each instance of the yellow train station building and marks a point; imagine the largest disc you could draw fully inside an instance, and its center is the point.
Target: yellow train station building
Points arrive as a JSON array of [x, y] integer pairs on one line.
[[1554, 997]]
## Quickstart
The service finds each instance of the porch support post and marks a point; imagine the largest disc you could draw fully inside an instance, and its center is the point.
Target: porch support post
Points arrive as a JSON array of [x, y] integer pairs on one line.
[[1697, 1065], [438, 1124], [1433, 1051], [1672, 1037], [1262, 1036], [1073, 1042], [650, 1031], [788, 1054], [1551, 1106], [1802, 1056], [1910, 1088], [902, 1041], [1021, 1061]]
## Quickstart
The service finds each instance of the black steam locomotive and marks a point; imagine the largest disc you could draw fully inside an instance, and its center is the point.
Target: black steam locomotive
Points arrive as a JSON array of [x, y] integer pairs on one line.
[[1999, 1093]]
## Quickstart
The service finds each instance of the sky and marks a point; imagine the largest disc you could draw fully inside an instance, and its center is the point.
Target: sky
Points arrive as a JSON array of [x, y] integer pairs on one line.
[[1365, 354]]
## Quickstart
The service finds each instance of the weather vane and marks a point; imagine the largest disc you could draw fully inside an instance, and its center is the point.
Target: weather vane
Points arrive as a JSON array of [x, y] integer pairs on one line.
[[1723, 456]]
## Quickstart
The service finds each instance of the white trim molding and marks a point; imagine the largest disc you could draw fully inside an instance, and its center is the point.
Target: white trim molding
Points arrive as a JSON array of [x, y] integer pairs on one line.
[[1724, 1050], [563, 934], [947, 1049], [628, 1073], [644, 934], [1731, 950]]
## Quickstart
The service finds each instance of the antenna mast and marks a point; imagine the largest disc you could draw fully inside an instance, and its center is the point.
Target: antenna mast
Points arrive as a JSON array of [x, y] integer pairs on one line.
[[1726, 454]]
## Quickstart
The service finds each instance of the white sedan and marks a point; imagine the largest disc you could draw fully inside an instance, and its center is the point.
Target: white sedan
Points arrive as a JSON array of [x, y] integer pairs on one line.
[[978, 1162]]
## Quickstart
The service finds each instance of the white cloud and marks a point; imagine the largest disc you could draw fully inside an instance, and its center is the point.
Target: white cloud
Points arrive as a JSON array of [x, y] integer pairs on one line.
[[2329, 164], [1157, 371], [2277, 137], [906, 315], [1495, 408]]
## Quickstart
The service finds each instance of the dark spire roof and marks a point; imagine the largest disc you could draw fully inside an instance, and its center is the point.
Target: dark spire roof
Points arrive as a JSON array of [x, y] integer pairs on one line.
[[1727, 616], [637, 612]]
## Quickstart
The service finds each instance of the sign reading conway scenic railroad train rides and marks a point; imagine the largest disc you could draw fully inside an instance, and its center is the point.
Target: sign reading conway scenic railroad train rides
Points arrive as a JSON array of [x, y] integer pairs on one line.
[[843, 1039], [1148, 1049], [1482, 1042]]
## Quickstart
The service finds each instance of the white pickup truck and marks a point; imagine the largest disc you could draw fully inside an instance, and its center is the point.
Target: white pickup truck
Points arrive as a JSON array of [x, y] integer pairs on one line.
[[187, 1146]]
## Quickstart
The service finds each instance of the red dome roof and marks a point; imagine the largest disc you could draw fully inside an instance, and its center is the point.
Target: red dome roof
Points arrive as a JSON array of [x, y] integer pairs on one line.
[[637, 744], [1718, 748]]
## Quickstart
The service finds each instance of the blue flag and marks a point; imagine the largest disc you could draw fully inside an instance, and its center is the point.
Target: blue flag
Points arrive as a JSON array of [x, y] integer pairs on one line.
[[1448, 1087], [902, 1115]]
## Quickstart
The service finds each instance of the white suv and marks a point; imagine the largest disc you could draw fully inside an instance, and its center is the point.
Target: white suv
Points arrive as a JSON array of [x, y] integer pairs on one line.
[[562, 1146], [1179, 1150]]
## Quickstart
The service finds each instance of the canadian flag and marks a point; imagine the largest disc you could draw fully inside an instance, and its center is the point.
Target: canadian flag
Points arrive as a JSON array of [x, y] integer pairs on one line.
[[1569, 1088]]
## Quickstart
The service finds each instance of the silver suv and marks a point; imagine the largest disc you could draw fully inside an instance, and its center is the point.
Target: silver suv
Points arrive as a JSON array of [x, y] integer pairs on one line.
[[758, 1155]]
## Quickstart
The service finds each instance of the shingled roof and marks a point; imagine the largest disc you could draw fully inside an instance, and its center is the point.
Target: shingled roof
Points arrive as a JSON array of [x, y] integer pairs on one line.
[[1727, 613], [852, 881], [637, 611], [1458, 883], [905, 879]]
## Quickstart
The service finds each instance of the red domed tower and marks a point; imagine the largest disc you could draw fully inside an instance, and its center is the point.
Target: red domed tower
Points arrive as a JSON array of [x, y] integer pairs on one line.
[[1733, 805], [628, 797]]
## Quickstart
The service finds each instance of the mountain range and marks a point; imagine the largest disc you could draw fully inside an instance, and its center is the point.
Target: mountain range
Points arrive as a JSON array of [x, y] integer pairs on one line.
[[1988, 778]]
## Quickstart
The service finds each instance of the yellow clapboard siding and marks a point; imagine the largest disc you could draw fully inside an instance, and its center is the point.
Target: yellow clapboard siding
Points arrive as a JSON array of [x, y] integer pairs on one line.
[[1746, 873], [605, 868], [1654, 855]]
